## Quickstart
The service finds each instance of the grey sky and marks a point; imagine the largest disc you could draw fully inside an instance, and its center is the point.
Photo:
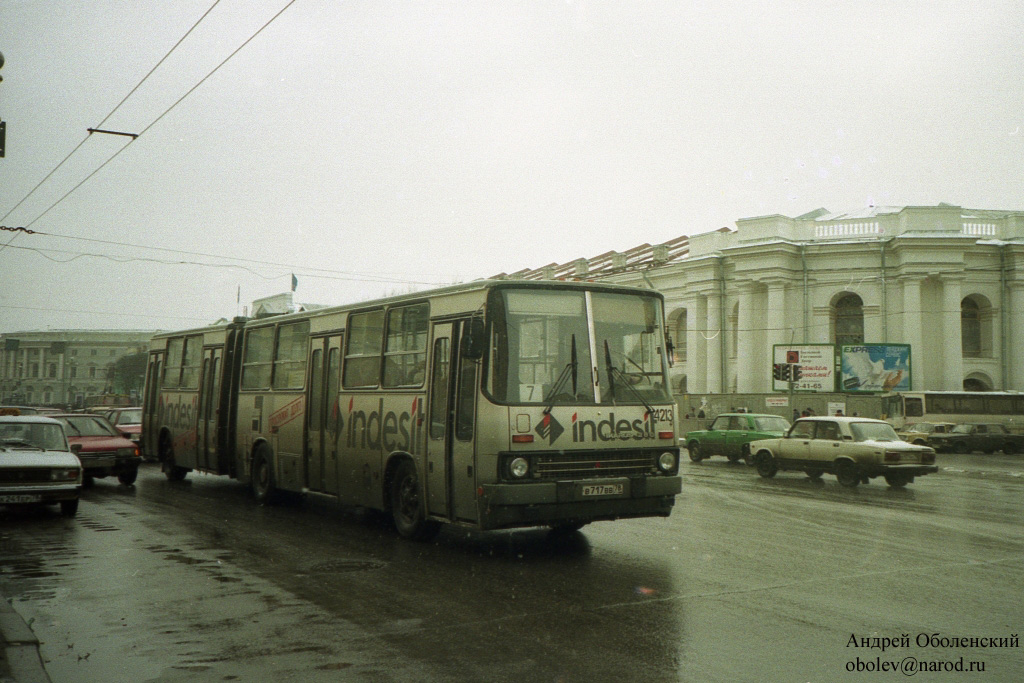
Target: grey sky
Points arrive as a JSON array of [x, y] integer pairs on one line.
[[426, 142]]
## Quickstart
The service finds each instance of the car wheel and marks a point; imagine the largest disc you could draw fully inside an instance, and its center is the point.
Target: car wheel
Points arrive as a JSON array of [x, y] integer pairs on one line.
[[734, 457], [264, 486], [815, 474], [766, 465], [694, 449], [960, 447], [1009, 448], [847, 473], [69, 508], [897, 481], [167, 464], [88, 481], [128, 478], [407, 505], [920, 442]]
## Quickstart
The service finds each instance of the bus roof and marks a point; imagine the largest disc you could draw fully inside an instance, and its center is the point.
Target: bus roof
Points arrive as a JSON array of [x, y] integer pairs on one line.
[[462, 288]]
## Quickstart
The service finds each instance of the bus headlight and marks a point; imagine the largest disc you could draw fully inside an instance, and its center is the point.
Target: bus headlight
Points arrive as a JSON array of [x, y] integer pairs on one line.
[[667, 461], [519, 468]]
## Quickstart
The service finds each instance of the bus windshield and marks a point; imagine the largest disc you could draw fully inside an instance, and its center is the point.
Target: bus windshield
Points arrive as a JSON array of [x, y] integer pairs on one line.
[[538, 334]]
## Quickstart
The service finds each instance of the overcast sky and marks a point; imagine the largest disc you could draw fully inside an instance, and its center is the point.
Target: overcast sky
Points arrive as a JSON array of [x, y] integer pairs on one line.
[[374, 147]]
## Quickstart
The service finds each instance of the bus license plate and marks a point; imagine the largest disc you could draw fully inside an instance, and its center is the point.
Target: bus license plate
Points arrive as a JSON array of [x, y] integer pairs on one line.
[[20, 498], [602, 489]]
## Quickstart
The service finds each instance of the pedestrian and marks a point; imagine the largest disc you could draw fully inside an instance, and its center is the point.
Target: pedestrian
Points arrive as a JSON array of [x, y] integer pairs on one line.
[[839, 413], [700, 413], [796, 414]]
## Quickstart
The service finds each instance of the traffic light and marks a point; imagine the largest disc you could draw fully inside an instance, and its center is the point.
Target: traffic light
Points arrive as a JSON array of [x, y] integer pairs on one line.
[[781, 371], [798, 373]]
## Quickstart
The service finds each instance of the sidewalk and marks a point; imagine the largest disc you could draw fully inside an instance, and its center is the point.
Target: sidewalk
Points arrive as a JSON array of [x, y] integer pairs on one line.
[[19, 649]]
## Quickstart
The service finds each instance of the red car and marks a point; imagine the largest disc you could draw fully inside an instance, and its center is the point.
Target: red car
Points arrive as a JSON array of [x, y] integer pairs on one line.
[[128, 421], [104, 450]]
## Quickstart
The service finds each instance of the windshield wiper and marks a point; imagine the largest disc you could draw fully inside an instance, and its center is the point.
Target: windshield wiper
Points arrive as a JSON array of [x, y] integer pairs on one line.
[[571, 369], [613, 371], [18, 442]]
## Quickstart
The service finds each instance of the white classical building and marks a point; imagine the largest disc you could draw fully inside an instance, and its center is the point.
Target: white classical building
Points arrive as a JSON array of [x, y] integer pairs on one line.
[[947, 281]]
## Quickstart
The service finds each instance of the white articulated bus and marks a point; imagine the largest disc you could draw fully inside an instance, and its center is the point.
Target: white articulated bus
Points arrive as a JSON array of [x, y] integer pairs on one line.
[[493, 404], [907, 408]]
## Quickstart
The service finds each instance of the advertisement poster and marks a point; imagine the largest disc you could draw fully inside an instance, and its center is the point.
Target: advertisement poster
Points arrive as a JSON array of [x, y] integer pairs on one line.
[[810, 367], [875, 367]]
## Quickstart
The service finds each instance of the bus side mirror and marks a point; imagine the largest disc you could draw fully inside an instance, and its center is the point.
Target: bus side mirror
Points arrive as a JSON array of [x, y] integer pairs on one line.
[[472, 344], [670, 350]]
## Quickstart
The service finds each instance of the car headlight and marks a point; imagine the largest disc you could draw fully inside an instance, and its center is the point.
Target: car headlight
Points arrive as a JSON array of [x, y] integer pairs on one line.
[[667, 461], [64, 475], [127, 452], [519, 468]]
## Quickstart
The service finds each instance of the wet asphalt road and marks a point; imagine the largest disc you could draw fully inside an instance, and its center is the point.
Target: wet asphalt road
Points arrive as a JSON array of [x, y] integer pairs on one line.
[[750, 579]]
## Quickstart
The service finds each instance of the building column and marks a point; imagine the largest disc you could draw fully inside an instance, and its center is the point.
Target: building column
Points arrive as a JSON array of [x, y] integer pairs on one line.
[[696, 346], [715, 335], [1013, 352], [746, 339], [912, 330], [776, 326], [953, 352]]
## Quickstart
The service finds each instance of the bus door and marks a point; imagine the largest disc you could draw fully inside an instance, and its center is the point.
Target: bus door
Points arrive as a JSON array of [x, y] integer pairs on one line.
[[323, 416], [451, 471], [151, 415], [208, 410]]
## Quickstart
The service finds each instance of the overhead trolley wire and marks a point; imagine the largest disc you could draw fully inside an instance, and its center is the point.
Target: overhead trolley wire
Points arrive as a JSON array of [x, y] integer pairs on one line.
[[158, 118]]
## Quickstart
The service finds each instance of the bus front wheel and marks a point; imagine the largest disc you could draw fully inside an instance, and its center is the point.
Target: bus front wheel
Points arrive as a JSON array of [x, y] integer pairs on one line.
[[264, 487], [171, 470], [407, 505]]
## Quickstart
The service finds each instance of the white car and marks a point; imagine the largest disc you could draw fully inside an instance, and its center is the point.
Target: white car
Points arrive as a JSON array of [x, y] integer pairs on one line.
[[36, 464], [855, 449]]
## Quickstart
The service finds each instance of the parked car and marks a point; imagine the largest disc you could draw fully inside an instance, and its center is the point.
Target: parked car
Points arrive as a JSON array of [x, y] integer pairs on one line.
[[104, 451], [920, 431], [989, 438], [855, 449], [37, 465], [128, 421], [731, 433]]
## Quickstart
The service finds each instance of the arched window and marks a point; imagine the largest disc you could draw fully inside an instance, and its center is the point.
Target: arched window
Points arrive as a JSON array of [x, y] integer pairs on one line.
[[849, 311], [679, 336], [970, 328], [975, 384]]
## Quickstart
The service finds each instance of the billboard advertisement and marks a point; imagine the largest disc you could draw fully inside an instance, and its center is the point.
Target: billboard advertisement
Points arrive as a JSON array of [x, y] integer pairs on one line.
[[810, 367], [874, 367]]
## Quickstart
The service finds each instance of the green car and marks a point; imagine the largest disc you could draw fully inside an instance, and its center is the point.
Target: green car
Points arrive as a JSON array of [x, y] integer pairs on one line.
[[730, 434]]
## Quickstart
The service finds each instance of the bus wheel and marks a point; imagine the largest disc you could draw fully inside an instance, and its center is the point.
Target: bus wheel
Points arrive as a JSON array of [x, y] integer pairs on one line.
[[407, 506], [171, 470], [264, 488]]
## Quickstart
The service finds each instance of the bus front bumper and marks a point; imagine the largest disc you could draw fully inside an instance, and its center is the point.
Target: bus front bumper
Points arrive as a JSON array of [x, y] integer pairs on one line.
[[581, 500]]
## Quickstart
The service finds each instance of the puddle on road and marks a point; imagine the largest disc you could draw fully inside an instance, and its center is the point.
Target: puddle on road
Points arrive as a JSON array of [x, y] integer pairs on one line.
[[108, 604]]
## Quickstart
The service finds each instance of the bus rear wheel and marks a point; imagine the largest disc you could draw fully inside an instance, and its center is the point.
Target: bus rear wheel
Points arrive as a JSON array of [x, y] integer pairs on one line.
[[407, 505]]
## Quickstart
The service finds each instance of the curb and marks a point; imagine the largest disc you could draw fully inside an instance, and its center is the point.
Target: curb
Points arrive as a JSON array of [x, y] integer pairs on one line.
[[20, 660]]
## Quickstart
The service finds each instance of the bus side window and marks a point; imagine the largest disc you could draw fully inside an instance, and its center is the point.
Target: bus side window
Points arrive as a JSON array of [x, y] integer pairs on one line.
[[439, 388], [914, 407]]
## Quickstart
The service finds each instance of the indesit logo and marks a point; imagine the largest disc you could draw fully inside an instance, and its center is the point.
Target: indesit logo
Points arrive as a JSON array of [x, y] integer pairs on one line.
[[549, 428]]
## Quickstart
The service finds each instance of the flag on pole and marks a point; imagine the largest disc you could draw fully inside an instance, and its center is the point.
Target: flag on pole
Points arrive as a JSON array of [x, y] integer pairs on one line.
[[295, 282]]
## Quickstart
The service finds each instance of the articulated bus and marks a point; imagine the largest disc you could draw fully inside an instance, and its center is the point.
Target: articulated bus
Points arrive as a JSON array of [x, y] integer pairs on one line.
[[493, 404], [905, 408]]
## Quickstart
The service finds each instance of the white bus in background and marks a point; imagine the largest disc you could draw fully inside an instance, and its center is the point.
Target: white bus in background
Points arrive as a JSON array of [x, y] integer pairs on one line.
[[905, 408], [489, 405]]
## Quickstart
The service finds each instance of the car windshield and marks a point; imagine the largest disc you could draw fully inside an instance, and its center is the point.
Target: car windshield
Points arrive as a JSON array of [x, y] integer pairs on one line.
[[87, 425], [49, 437], [128, 417], [873, 431], [770, 424]]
